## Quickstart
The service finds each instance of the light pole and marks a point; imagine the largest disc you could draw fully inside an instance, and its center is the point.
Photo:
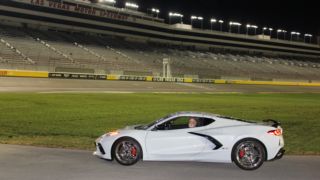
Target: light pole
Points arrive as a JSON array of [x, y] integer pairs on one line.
[[281, 31], [263, 30], [248, 26], [298, 35], [270, 29], [201, 19], [193, 18], [221, 22], [109, 2], [295, 33], [234, 24], [307, 35], [238, 24], [212, 21], [284, 34], [278, 31], [130, 5], [197, 18], [171, 14], [255, 29], [251, 26], [157, 11], [292, 33]]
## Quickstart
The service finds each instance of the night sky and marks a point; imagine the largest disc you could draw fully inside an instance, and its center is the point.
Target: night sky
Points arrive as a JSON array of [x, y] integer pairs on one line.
[[301, 16]]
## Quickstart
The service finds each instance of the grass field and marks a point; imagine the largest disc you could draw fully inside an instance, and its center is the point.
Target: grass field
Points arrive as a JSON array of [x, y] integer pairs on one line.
[[75, 120]]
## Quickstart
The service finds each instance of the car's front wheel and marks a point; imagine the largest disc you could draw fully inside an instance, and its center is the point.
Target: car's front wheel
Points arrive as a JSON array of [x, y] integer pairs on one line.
[[248, 154], [127, 151]]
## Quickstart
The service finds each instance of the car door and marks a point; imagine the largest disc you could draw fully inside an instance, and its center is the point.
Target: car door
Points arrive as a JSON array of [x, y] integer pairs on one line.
[[176, 144]]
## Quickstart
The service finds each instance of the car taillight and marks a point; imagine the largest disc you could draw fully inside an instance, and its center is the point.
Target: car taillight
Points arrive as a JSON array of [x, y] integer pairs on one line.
[[276, 132]]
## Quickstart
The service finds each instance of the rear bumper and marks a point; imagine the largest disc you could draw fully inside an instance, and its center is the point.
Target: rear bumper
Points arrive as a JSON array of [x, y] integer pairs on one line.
[[279, 154]]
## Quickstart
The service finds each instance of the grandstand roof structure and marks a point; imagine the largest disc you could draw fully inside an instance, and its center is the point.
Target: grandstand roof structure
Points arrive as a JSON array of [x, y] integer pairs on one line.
[[84, 16]]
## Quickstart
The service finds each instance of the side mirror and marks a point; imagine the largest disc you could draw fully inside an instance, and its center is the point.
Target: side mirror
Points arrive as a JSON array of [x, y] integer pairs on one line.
[[155, 128]]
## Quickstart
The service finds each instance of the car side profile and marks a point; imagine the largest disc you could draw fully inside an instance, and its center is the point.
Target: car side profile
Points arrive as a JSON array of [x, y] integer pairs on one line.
[[195, 136]]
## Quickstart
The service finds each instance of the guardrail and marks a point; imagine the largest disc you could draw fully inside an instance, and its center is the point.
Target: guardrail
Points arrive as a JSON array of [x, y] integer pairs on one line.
[[62, 75]]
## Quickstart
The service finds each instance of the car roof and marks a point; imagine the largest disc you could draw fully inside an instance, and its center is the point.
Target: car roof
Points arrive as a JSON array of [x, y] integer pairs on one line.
[[205, 114], [193, 113]]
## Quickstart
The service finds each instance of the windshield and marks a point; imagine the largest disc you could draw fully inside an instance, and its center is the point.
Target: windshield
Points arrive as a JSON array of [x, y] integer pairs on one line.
[[147, 126]]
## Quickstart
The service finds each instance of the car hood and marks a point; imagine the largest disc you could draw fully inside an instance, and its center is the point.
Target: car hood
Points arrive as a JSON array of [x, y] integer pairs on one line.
[[131, 127]]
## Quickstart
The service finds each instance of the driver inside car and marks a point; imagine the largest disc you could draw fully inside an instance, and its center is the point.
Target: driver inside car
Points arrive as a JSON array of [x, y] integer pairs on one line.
[[192, 123]]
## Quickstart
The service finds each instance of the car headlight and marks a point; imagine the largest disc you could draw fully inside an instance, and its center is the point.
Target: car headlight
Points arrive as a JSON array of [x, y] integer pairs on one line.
[[113, 133]]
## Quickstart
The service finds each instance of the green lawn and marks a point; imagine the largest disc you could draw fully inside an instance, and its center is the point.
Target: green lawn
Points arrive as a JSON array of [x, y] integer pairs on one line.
[[75, 120]]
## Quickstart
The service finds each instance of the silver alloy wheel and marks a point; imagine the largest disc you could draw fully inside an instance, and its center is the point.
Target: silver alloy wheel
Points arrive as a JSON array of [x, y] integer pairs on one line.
[[126, 152], [249, 154]]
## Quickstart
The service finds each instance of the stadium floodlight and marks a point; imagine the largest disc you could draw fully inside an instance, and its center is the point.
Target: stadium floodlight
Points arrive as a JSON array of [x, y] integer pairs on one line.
[[107, 1], [263, 30], [295, 33], [156, 11], [253, 27], [171, 14], [175, 14], [221, 22], [284, 34], [193, 17], [197, 18], [270, 30], [131, 5], [278, 32], [212, 21], [231, 23], [308, 36], [248, 26]]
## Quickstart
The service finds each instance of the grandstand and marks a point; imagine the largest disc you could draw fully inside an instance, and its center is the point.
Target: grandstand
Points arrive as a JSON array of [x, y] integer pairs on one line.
[[56, 51], [84, 37]]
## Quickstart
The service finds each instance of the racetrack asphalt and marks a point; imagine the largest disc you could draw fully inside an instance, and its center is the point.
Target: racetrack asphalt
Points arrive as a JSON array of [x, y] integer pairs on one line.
[[34, 163], [44, 85]]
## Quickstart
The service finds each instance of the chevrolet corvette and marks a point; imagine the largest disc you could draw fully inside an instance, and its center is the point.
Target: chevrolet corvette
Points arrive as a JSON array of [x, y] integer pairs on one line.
[[195, 136]]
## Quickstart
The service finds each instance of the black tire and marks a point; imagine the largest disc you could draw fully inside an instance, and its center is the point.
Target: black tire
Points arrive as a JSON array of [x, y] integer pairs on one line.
[[127, 151], [248, 154]]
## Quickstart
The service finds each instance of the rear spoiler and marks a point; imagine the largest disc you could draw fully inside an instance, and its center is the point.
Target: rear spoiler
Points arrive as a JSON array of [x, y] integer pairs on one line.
[[272, 122]]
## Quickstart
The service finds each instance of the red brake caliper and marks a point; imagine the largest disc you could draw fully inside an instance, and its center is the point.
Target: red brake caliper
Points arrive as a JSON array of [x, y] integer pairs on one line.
[[241, 153], [134, 151]]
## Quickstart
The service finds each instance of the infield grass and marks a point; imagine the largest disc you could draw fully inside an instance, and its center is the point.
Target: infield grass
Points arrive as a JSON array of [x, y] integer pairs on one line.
[[75, 120]]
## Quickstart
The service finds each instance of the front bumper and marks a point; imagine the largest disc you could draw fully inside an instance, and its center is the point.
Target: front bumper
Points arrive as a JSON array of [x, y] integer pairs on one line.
[[103, 146]]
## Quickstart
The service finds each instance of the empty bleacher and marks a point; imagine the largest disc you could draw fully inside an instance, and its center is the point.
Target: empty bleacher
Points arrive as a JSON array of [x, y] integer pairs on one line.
[[55, 51]]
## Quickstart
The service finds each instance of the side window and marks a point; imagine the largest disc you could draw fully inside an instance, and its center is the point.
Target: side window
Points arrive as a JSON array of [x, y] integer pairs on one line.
[[185, 122], [177, 123], [180, 123], [205, 121]]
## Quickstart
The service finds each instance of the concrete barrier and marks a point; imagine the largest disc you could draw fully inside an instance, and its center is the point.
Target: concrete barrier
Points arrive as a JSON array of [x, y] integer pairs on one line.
[[21, 73], [43, 74]]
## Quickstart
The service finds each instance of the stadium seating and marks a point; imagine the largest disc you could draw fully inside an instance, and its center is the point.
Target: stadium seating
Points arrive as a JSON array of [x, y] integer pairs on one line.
[[53, 51]]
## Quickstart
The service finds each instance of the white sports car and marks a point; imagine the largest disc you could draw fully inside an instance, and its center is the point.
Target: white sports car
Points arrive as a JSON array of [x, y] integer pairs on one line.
[[193, 136]]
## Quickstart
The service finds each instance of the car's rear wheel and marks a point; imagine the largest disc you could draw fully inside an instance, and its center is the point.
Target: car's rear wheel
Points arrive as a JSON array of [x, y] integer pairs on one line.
[[127, 151], [248, 154]]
